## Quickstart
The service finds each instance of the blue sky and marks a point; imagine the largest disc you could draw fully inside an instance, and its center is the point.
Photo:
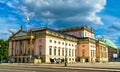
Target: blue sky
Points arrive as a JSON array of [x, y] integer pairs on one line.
[[102, 15]]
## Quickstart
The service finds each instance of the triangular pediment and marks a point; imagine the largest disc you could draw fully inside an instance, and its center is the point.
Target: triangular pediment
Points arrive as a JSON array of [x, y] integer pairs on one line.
[[21, 34]]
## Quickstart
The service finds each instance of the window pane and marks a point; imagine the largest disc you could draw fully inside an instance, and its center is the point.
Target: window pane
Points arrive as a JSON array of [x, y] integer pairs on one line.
[[50, 51]]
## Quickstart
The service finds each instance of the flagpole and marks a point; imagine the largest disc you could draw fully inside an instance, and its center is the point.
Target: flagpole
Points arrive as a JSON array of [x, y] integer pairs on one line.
[[28, 20]]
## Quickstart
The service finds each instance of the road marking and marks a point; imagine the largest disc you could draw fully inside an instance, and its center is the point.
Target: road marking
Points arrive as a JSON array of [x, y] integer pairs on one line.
[[14, 70]]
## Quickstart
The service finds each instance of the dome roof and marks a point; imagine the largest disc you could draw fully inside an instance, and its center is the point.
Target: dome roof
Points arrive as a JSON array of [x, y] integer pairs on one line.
[[108, 42]]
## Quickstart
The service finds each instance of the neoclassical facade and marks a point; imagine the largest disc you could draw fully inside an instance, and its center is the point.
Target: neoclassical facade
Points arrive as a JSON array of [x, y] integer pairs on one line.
[[102, 52], [75, 44], [42, 43], [113, 50]]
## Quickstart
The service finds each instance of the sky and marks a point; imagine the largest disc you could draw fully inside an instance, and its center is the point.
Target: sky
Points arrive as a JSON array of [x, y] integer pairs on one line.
[[102, 15]]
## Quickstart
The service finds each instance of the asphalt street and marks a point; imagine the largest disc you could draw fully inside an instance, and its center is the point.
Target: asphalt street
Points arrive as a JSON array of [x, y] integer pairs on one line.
[[29, 69], [32, 68]]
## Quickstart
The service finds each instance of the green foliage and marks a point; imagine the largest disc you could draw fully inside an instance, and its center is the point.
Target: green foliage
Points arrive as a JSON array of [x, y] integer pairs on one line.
[[4, 48]]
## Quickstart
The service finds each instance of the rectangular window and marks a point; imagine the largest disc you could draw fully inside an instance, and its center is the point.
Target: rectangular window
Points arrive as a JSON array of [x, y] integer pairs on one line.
[[91, 53], [83, 52], [69, 59], [62, 52], [50, 51], [66, 52], [50, 41], [58, 42], [40, 51], [69, 52], [73, 59], [72, 52], [58, 52], [55, 51], [54, 41]]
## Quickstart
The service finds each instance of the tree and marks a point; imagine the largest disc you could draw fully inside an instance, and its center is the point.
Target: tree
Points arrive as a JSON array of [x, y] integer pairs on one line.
[[4, 49]]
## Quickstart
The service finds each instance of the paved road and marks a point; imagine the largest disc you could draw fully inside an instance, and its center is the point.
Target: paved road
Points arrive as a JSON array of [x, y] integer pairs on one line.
[[29, 69], [32, 68]]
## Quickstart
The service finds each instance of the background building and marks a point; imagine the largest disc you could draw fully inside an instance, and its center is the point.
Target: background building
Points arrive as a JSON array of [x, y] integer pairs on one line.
[[101, 52], [113, 50]]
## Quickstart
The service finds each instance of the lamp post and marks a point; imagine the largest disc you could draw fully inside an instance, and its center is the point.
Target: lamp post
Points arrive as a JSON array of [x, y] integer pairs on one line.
[[65, 63], [30, 57]]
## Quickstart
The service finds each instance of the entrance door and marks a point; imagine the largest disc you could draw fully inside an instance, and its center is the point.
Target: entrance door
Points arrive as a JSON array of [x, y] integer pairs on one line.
[[23, 60]]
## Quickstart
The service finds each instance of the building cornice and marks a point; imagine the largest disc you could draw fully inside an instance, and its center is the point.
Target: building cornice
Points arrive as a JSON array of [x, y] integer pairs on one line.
[[76, 29], [22, 37], [87, 39]]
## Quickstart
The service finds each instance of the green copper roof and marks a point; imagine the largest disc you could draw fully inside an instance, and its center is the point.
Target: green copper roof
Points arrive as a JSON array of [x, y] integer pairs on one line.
[[108, 42]]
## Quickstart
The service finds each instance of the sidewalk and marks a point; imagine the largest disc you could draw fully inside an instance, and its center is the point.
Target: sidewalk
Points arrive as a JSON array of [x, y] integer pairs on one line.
[[100, 67], [115, 65]]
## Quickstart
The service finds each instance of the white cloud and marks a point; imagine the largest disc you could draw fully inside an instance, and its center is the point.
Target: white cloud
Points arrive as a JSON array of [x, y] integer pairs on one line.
[[56, 13], [47, 14], [65, 11], [10, 4], [6, 26]]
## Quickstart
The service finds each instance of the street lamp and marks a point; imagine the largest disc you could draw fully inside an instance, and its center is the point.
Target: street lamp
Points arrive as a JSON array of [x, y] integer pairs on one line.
[[65, 52], [30, 57]]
